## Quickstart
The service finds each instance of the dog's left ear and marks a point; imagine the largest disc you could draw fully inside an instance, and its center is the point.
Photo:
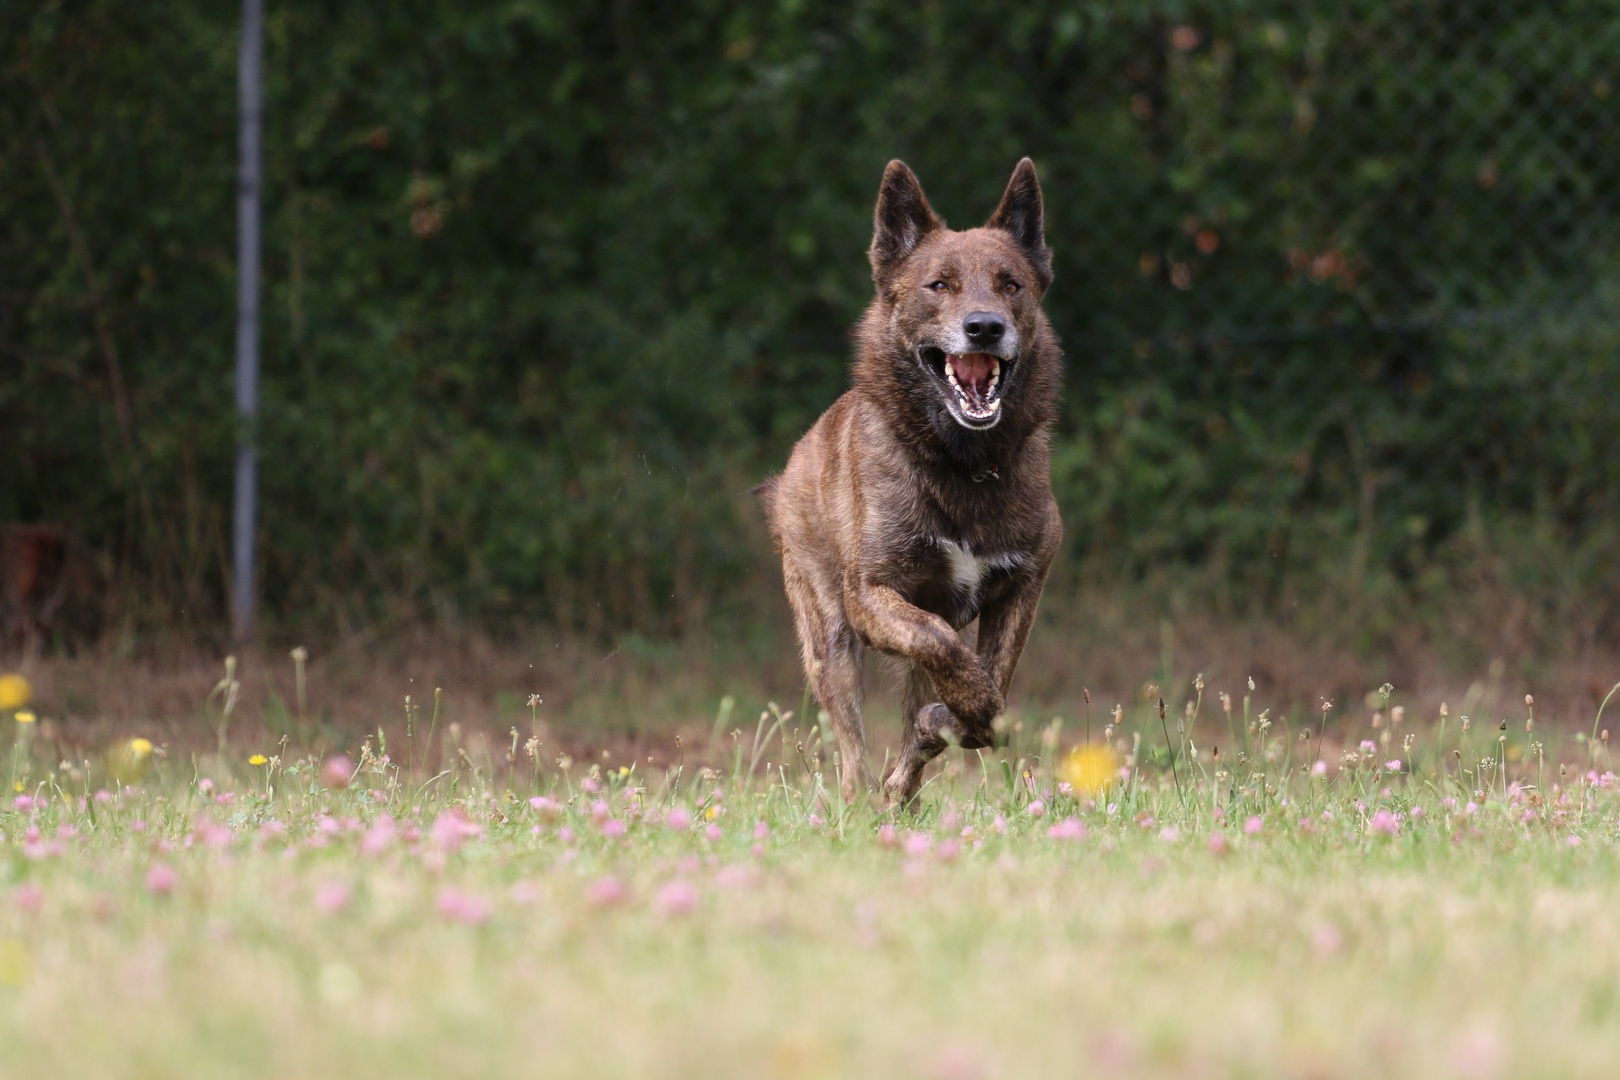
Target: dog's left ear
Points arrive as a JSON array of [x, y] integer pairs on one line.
[[1020, 214]]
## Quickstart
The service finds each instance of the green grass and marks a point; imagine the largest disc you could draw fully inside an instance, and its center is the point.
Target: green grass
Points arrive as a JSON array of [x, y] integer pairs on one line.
[[1331, 931]]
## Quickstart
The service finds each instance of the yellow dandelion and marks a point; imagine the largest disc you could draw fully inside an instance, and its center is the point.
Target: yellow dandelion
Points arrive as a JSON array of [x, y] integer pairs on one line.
[[14, 692], [25, 717], [1090, 769], [257, 759], [623, 771], [712, 813], [128, 761]]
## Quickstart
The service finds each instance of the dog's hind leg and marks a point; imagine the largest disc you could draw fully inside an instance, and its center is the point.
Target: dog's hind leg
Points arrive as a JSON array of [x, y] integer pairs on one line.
[[837, 681], [832, 660]]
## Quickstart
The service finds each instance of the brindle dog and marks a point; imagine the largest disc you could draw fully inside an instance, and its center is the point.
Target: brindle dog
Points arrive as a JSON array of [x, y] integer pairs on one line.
[[922, 499]]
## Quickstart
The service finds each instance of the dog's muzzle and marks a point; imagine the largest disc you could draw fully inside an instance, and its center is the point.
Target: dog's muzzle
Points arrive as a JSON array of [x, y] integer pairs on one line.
[[972, 383]]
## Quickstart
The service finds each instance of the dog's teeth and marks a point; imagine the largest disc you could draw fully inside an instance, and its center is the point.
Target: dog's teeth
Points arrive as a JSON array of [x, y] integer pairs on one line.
[[996, 404], [995, 371]]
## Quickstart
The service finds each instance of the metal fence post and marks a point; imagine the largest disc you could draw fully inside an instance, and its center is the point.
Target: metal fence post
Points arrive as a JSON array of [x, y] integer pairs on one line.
[[251, 96]]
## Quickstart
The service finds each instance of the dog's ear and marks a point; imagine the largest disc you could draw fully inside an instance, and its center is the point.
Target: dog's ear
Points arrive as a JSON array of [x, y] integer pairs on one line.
[[1021, 215], [902, 218]]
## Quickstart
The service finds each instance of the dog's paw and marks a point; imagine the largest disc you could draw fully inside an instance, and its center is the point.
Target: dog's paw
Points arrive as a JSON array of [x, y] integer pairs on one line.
[[935, 722], [901, 788], [980, 703], [938, 720]]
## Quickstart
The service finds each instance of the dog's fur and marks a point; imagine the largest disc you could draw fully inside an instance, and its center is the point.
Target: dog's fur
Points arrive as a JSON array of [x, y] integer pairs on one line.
[[912, 508]]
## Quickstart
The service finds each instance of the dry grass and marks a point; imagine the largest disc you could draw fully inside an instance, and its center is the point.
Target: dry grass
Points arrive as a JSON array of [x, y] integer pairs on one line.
[[633, 697]]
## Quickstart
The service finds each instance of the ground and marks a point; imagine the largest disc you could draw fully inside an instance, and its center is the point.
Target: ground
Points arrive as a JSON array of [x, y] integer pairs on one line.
[[1044, 911]]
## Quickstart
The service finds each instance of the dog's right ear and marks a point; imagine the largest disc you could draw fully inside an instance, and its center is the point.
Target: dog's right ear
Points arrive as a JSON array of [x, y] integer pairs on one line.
[[903, 217]]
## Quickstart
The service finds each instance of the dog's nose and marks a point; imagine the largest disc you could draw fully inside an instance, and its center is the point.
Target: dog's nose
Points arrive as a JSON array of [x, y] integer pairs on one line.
[[983, 328]]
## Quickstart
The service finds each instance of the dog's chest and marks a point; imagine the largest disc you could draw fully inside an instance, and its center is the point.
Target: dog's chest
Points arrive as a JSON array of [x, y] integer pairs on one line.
[[968, 569]]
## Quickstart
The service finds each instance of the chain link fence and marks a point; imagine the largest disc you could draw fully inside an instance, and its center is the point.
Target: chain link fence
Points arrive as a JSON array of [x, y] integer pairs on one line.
[[549, 290], [1388, 166]]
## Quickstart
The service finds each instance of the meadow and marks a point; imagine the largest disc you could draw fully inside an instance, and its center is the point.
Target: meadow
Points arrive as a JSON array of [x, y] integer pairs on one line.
[[1203, 891]]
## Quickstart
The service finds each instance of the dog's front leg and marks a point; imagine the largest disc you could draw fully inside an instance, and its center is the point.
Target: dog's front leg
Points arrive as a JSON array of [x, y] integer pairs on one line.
[[1004, 629], [970, 698], [1004, 626]]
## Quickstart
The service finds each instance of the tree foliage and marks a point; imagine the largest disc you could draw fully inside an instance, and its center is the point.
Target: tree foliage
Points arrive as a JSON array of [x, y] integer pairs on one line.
[[551, 284]]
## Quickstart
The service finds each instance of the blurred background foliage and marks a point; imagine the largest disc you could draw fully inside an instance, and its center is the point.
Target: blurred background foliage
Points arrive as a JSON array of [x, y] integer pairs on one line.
[[551, 284]]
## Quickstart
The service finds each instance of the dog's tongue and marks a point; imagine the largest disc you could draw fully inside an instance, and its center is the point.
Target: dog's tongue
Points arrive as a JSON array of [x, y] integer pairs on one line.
[[972, 370]]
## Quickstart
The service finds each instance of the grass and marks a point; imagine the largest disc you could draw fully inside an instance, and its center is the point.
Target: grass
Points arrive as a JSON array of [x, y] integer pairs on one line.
[[419, 911]]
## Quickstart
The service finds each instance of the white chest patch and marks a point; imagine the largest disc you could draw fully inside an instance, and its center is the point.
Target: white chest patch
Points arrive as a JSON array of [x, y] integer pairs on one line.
[[968, 569]]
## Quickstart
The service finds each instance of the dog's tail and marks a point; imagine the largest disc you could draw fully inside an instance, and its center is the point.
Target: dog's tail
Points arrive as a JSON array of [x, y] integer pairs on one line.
[[767, 495], [767, 498]]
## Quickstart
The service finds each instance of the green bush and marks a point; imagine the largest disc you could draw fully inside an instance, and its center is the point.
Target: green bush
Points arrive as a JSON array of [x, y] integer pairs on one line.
[[551, 285]]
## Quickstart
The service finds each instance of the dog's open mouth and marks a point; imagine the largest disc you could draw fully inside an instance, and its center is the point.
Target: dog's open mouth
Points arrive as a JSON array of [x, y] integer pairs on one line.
[[974, 382]]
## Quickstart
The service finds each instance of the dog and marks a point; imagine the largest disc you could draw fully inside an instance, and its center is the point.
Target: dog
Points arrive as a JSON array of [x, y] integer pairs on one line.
[[922, 499]]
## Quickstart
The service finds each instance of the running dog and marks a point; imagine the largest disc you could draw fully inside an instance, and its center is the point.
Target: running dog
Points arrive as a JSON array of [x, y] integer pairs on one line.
[[922, 500]]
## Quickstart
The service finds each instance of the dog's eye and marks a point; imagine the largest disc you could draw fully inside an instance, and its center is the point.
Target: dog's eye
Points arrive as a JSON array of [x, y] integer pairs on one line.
[[938, 286], [1010, 288]]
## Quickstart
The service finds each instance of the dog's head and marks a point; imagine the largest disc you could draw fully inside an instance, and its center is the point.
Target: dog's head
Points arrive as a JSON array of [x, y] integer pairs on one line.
[[962, 306]]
